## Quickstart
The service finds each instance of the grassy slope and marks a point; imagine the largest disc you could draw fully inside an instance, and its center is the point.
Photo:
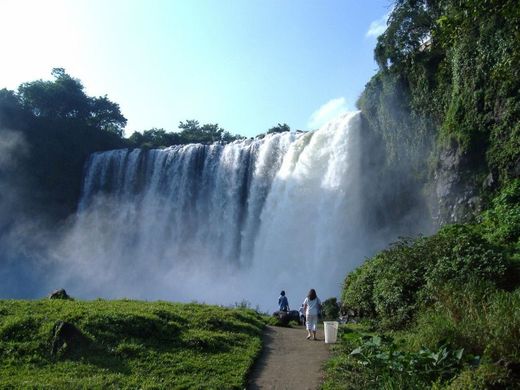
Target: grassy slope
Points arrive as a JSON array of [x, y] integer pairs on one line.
[[127, 344]]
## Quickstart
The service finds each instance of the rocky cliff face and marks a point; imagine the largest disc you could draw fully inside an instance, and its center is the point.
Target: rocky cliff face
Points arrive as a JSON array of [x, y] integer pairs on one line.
[[455, 195], [448, 191]]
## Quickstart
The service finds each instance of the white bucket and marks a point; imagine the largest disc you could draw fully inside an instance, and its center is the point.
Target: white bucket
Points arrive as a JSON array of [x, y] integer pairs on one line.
[[331, 331]]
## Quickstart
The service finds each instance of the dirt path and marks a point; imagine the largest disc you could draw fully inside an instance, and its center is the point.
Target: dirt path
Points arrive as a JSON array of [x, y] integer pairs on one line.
[[289, 360]]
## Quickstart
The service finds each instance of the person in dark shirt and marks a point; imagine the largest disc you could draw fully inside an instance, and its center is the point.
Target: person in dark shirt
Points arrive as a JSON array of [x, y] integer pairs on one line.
[[283, 303]]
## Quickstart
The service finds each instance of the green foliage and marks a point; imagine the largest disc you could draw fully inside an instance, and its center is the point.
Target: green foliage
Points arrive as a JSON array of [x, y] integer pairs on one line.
[[330, 309], [449, 78], [448, 81], [64, 98], [127, 344], [358, 289], [477, 317], [501, 222], [383, 355], [60, 127], [463, 255], [380, 362], [280, 128], [154, 138], [409, 27], [453, 288], [398, 281], [485, 376], [191, 132]]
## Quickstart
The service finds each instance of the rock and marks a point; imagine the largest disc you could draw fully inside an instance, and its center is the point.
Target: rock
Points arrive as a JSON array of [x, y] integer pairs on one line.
[[456, 197], [284, 317], [65, 337], [59, 294], [489, 182]]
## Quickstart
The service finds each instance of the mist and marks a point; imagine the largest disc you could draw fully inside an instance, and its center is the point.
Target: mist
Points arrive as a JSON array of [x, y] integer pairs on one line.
[[220, 224], [21, 234]]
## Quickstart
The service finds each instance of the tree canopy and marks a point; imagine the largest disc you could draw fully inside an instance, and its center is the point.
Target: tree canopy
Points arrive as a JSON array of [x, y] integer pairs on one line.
[[60, 126], [191, 131], [64, 98], [279, 128]]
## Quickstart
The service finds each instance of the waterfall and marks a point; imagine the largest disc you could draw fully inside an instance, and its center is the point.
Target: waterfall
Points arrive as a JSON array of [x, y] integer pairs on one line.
[[222, 223]]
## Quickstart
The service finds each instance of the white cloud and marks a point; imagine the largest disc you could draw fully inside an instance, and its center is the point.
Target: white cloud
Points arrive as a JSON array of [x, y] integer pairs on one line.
[[377, 27], [328, 111]]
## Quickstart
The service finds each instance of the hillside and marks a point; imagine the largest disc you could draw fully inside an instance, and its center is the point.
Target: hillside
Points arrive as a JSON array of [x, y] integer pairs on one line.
[[64, 344], [444, 114]]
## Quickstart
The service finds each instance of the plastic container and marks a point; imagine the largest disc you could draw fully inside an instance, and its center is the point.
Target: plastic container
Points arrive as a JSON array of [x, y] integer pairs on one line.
[[331, 331]]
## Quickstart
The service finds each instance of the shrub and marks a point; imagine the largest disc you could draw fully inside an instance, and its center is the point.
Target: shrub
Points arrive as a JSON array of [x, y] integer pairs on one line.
[[397, 282], [486, 376], [358, 289], [330, 309], [501, 223], [464, 255], [477, 317]]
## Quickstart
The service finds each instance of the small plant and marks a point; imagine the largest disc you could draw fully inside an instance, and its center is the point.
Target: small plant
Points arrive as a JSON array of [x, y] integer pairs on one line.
[[383, 354]]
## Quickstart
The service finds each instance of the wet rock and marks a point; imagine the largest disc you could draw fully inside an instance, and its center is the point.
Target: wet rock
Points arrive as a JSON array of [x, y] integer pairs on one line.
[[457, 197], [489, 181]]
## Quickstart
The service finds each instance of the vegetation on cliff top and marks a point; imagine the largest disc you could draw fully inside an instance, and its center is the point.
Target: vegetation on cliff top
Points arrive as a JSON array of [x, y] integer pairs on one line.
[[449, 76]]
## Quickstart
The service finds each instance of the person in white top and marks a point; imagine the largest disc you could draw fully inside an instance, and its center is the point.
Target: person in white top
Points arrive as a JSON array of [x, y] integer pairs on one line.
[[311, 308]]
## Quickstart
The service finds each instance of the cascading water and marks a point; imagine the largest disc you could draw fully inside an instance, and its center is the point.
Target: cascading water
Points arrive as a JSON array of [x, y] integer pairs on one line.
[[222, 223]]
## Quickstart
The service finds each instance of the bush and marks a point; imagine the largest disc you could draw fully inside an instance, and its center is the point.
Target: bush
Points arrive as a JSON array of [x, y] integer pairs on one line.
[[486, 376], [463, 255], [358, 289], [397, 282], [330, 309], [477, 317], [501, 223]]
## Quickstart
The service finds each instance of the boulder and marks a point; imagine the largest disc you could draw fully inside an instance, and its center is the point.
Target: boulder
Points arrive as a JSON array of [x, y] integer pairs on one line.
[[284, 317], [65, 338], [59, 294]]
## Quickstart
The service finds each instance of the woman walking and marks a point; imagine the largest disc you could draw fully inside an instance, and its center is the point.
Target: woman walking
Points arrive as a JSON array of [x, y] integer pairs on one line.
[[311, 308]]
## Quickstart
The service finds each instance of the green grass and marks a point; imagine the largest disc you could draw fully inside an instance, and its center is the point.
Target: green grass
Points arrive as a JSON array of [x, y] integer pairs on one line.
[[127, 344]]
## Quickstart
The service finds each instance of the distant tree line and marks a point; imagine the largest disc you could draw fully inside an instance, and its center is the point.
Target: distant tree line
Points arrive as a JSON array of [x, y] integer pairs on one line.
[[191, 132]]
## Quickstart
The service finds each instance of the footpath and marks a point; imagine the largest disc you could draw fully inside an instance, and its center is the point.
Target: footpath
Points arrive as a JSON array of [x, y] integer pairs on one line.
[[289, 360]]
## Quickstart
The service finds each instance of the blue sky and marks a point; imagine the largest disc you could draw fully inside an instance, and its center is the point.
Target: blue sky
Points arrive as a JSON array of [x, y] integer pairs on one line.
[[244, 64]]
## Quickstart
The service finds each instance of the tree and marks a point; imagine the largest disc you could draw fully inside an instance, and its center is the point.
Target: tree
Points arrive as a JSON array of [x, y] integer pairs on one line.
[[64, 99], [106, 115], [154, 138], [209, 133], [60, 99], [410, 25], [280, 128], [11, 111]]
